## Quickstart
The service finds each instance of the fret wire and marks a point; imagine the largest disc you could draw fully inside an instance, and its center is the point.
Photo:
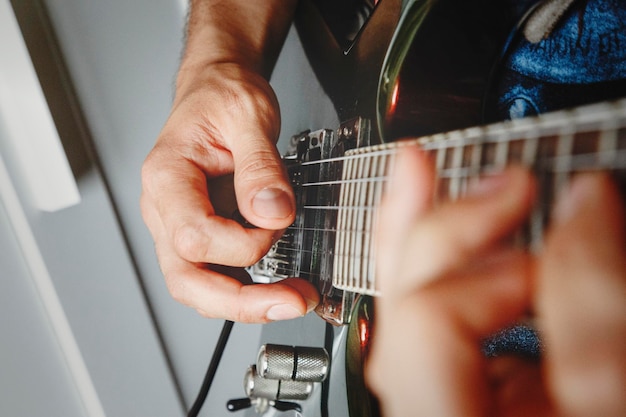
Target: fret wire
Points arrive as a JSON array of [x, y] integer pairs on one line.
[[607, 145], [372, 165], [299, 224], [350, 218], [457, 160], [502, 152], [382, 166], [563, 159], [535, 218], [531, 146], [341, 219], [357, 245]]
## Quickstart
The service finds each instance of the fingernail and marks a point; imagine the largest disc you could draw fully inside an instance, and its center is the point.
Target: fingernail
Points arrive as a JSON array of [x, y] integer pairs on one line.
[[272, 203], [487, 184], [282, 312], [570, 197]]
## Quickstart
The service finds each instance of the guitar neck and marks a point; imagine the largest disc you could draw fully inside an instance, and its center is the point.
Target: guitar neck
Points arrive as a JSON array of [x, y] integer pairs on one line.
[[554, 146], [331, 241]]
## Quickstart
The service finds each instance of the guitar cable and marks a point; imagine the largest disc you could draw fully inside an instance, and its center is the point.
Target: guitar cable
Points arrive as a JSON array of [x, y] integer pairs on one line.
[[212, 369], [329, 341]]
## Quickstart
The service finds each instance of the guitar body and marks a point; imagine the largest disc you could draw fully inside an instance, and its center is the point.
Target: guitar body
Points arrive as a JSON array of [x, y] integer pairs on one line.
[[415, 68]]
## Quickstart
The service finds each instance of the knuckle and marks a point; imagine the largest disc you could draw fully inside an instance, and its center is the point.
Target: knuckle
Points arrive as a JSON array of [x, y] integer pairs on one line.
[[245, 314], [148, 171], [158, 170], [192, 244], [262, 165], [250, 97], [189, 243]]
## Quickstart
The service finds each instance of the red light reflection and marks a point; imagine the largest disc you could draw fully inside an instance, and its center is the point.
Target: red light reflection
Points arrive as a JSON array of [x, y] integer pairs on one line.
[[364, 329], [393, 103]]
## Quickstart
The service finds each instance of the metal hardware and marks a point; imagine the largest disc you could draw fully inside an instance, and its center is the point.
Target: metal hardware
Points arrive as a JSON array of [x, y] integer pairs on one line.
[[297, 363]]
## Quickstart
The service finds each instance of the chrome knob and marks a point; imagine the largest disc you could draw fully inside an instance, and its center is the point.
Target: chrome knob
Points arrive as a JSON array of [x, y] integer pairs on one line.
[[256, 386], [295, 363]]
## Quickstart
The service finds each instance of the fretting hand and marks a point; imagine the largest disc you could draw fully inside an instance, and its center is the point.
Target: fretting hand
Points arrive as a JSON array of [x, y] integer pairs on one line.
[[467, 283]]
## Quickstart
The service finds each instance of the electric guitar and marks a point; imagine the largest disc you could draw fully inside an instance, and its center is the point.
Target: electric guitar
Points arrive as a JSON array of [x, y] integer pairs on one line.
[[384, 88]]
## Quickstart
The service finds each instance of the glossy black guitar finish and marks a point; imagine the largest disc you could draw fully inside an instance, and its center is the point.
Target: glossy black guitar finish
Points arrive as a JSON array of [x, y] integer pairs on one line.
[[415, 68], [360, 331], [349, 72], [439, 66]]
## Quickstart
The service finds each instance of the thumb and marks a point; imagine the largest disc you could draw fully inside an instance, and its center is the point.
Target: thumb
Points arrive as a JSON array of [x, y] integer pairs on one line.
[[264, 194]]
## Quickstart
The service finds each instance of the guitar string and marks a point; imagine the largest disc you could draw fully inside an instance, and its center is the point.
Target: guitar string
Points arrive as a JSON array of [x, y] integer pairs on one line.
[[590, 161], [306, 271], [310, 252], [343, 257], [609, 160], [460, 174]]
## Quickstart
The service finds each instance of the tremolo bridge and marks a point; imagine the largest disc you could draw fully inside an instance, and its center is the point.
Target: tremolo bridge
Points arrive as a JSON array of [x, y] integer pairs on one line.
[[314, 247]]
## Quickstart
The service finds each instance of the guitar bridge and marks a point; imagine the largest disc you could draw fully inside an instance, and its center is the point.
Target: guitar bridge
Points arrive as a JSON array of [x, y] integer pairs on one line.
[[308, 247]]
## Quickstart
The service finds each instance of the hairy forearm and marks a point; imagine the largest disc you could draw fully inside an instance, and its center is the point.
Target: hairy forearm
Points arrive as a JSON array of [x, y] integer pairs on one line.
[[248, 33]]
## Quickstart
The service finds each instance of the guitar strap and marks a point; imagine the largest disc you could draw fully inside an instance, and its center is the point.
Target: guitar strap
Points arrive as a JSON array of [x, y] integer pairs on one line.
[[544, 19]]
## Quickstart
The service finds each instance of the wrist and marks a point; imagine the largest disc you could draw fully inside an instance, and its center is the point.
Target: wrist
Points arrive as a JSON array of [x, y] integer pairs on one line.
[[242, 32], [219, 76]]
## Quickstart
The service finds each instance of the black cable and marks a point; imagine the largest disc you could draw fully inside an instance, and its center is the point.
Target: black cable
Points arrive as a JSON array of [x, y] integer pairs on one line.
[[212, 369], [329, 341]]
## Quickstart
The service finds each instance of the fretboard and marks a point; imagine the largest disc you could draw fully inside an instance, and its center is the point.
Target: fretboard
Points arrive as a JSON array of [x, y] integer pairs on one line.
[[555, 146]]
